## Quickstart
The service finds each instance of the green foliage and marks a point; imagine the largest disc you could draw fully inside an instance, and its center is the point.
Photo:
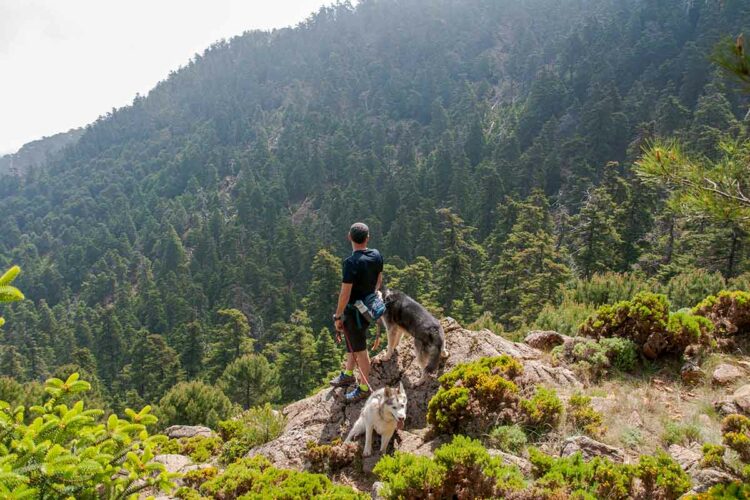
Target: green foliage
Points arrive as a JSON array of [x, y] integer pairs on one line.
[[679, 433], [510, 438], [729, 311], [735, 490], [69, 451], [596, 358], [330, 458], [251, 428], [543, 412], [736, 435], [606, 288], [257, 477], [196, 477], [250, 381], [646, 321], [472, 392], [194, 403], [9, 293], [583, 417], [565, 318], [460, 469], [713, 456], [296, 358], [662, 477], [691, 286], [199, 448]]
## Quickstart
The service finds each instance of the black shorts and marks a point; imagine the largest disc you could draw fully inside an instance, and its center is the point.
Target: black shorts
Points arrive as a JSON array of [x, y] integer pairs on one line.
[[355, 331]]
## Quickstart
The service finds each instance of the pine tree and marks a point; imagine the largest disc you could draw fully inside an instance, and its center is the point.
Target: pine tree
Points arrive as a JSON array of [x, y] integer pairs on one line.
[[529, 271], [232, 340], [595, 242], [250, 381], [297, 357], [329, 355], [323, 291]]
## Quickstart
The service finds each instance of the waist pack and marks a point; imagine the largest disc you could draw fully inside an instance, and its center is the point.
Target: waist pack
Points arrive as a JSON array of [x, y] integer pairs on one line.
[[372, 307]]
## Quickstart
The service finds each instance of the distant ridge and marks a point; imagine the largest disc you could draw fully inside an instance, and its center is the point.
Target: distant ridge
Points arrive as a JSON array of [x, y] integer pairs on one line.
[[37, 152]]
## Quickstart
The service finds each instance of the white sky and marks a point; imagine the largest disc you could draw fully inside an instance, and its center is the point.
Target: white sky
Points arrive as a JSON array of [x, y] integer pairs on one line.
[[63, 63]]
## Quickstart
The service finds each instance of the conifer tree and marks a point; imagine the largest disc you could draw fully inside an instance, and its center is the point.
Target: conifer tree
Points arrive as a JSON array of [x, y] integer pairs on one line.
[[250, 381], [231, 340], [323, 290], [529, 271], [329, 356], [297, 357], [595, 241]]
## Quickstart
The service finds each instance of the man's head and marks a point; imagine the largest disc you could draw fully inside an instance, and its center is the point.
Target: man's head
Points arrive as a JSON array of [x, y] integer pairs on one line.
[[359, 233]]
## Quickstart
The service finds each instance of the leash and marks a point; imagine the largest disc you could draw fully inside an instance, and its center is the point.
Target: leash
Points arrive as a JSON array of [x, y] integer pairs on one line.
[[351, 350]]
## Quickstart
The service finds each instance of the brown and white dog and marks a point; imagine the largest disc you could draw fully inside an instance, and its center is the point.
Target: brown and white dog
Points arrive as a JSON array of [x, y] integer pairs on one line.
[[384, 412]]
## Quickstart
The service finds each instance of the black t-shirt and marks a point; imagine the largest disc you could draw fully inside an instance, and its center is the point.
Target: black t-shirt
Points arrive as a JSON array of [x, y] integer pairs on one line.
[[361, 269]]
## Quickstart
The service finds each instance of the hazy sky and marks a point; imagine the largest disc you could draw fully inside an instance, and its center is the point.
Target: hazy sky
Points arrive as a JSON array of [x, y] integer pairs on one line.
[[65, 62]]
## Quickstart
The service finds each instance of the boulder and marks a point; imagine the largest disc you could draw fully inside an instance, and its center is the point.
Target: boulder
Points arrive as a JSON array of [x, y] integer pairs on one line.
[[324, 416], [376, 488], [173, 462], [704, 479], [741, 398], [544, 340], [591, 448], [688, 458], [187, 431], [725, 374], [691, 373]]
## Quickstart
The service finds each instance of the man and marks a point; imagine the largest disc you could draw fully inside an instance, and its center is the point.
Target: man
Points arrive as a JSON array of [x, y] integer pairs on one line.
[[362, 275]]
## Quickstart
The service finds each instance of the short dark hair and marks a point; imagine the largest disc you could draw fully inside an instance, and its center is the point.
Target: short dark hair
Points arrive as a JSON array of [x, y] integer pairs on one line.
[[359, 232]]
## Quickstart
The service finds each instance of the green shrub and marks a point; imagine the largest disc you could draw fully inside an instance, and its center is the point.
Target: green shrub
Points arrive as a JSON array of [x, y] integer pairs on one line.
[[621, 353], [256, 477], [728, 311], [330, 458], [565, 318], [251, 428], [685, 329], [194, 403], [409, 476], [682, 434], [713, 456], [472, 394], [606, 288], [736, 433], [631, 437], [662, 477], [67, 451], [583, 417], [594, 359], [510, 438], [460, 469], [690, 286], [195, 478], [735, 490], [543, 412], [597, 478]]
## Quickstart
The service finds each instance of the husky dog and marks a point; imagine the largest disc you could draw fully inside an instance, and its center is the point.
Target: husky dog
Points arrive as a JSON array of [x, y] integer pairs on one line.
[[404, 314], [384, 411]]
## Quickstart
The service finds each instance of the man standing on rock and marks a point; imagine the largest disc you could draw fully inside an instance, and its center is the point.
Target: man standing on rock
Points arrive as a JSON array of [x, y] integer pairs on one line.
[[362, 276]]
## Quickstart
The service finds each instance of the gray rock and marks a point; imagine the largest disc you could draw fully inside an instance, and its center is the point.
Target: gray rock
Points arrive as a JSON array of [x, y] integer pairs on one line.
[[377, 486], [544, 340], [509, 459], [691, 373], [688, 458], [725, 374], [187, 431], [703, 479], [174, 462], [368, 463], [741, 398], [591, 448]]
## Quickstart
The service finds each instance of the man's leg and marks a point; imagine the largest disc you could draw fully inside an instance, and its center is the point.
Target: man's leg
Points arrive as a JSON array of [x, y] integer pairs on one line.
[[363, 361], [350, 362]]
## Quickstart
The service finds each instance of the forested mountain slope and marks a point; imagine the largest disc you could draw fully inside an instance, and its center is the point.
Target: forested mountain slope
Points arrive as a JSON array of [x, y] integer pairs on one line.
[[488, 144]]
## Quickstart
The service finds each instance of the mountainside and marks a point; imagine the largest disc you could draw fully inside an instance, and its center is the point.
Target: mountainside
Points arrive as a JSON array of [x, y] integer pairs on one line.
[[36, 153], [488, 144]]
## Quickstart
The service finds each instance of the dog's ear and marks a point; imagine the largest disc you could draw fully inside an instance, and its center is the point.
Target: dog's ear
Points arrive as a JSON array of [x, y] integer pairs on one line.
[[387, 392], [401, 388]]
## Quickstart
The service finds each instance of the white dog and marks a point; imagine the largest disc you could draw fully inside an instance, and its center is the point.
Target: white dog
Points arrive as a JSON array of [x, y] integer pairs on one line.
[[384, 411]]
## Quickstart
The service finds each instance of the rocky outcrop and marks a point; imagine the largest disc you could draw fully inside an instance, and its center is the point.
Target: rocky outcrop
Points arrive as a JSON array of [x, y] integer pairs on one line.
[[704, 479], [187, 431], [324, 416], [591, 448], [688, 458], [725, 374], [544, 340], [739, 402]]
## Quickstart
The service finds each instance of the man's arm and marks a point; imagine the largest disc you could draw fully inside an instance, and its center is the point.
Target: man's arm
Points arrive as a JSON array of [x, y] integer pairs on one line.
[[380, 281], [344, 294]]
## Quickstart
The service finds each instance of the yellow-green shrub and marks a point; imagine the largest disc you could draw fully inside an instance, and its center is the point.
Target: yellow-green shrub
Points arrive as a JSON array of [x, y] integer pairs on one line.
[[543, 412], [736, 434], [583, 417], [728, 311], [330, 458]]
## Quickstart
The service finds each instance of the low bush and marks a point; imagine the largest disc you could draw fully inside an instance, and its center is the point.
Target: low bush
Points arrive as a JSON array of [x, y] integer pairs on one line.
[[257, 478], [679, 433], [543, 412], [198, 448], [460, 469], [691, 285], [606, 288], [509, 438], [728, 311], [251, 428], [330, 458], [565, 318], [194, 403], [735, 490], [713, 456], [474, 395], [662, 477], [594, 359], [583, 417], [195, 478], [736, 435], [646, 321]]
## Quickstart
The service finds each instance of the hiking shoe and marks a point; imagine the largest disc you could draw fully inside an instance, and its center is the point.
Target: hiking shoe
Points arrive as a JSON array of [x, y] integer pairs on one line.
[[343, 380], [357, 394]]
